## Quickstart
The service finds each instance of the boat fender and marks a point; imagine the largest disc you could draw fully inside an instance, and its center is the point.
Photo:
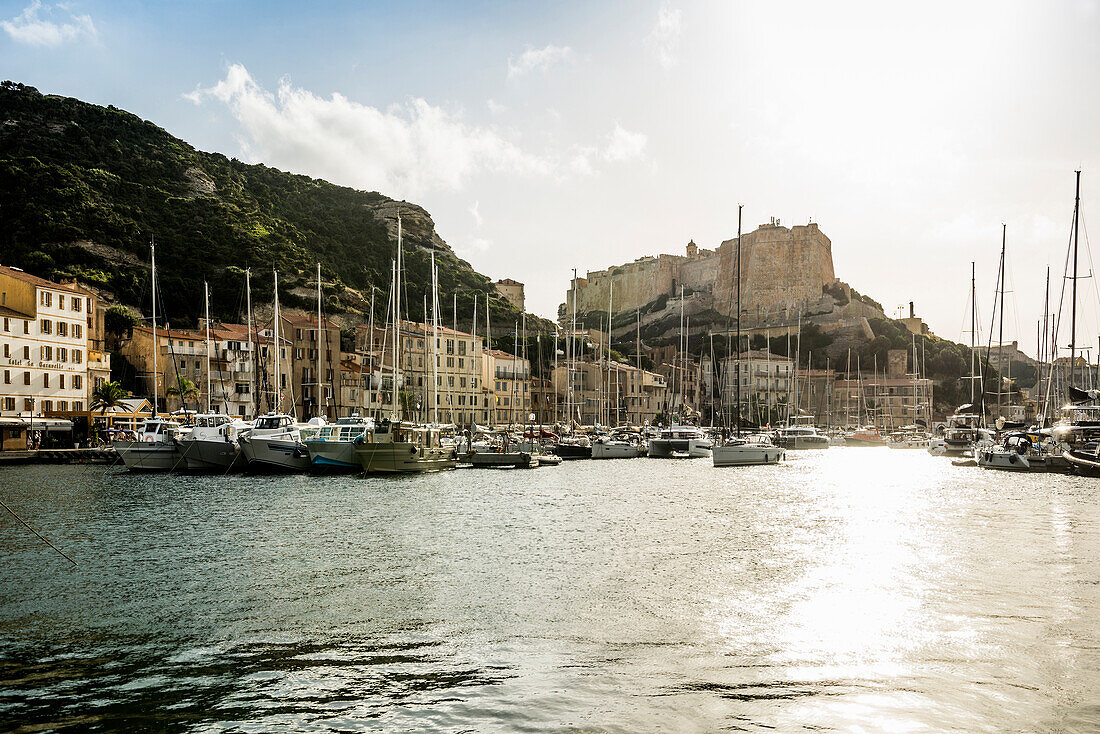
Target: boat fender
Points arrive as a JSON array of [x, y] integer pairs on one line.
[[1012, 458], [147, 439], [412, 449]]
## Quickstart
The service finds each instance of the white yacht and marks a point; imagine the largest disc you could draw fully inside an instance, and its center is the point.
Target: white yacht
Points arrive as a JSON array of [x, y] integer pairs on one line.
[[1020, 451], [747, 451], [212, 444], [680, 442], [397, 447], [618, 446], [802, 437], [333, 447], [154, 449], [963, 435], [275, 443]]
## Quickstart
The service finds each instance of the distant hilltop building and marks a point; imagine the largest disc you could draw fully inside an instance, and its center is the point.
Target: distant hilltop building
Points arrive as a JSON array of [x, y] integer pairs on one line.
[[781, 270], [512, 290]]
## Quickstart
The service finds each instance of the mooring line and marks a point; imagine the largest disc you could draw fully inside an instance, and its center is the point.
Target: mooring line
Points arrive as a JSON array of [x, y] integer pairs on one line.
[[37, 533]]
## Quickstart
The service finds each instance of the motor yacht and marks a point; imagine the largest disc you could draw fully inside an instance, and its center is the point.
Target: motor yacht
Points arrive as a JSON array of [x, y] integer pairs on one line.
[[687, 442], [154, 448], [275, 443], [332, 447], [802, 437], [401, 447], [212, 443], [747, 451]]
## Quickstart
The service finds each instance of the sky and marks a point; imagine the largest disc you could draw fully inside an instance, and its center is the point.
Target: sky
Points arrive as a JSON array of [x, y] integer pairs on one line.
[[583, 135]]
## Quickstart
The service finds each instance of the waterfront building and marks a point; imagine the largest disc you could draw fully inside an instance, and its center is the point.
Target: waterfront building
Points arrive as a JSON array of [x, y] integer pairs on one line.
[[459, 392], [766, 384], [889, 401], [313, 373], [610, 393], [507, 380], [43, 345]]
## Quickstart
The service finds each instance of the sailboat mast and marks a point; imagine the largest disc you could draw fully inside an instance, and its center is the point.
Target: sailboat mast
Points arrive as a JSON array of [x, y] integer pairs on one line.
[[737, 374], [248, 325], [206, 297], [572, 352], [1001, 328], [435, 344], [396, 315], [153, 287], [1073, 312], [278, 348], [973, 329], [607, 352]]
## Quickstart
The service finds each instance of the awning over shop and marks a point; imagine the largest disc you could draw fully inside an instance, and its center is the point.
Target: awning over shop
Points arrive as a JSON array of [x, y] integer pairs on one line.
[[58, 425]]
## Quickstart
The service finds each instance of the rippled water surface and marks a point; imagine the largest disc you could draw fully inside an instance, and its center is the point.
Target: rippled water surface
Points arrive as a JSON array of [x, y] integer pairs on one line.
[[847, 590]]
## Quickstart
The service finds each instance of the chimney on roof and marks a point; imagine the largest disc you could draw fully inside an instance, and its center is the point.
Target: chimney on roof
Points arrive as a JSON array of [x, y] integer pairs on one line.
[[911, 313]]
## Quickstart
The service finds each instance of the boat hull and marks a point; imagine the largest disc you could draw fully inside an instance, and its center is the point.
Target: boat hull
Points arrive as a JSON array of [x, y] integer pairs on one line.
[[403, 458], [1083, 463], [333, 455], [747, 455], [274, 454], [615, 451], [572, 451], [803, 443], [145, 456], [502, 460], [676, 448], [202, 455]]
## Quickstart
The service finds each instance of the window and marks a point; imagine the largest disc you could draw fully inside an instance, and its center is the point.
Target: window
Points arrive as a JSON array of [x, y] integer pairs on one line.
[[62, 405], [26, 327], [450, 346], [46, 326], [451, 381], [183, 364], [78, 406], [45, 298], [47, 353], [62, 354], [461, 349], [9, 403], [450, 361], [78, 382], [45, 379], [78, 331], [78, 356], [76, 304], [197, 363], [61, 381], [7, 352], [7, 324], [298, 334], [7, 377], [28, 404], [26, 352], [61, 302], [47, 406]]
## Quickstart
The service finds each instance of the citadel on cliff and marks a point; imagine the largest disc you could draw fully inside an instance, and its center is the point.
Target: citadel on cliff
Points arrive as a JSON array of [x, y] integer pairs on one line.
[[786, 276]]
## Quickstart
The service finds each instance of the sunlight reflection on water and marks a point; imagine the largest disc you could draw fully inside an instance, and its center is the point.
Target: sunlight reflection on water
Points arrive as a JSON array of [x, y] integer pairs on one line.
[[848, 589]]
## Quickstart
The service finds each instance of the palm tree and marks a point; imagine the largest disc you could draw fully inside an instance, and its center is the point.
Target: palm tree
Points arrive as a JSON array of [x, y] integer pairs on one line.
[[107, 395], [184, 389]]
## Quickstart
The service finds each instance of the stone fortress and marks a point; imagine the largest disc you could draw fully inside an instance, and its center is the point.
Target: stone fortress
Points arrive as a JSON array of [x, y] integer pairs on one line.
[[786, 276]]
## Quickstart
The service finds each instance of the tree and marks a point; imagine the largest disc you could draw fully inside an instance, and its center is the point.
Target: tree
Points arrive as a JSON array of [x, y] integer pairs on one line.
[[184, 389], [119, 321], [107, 395]]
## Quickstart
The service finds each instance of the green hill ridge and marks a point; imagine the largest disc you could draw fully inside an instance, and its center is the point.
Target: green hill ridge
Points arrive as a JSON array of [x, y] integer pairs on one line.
[[84, 188]]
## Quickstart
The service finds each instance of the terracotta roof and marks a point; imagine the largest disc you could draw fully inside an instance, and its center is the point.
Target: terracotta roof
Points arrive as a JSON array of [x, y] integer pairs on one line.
[[35, 280], [500, 354], [306, 321], [174, 333]]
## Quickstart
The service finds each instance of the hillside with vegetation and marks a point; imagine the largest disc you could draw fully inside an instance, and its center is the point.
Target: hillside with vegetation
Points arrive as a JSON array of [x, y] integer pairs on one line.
[[84, 189]]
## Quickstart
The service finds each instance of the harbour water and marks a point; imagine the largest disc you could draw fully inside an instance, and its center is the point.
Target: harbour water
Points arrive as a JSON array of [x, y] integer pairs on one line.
[[845, 590]]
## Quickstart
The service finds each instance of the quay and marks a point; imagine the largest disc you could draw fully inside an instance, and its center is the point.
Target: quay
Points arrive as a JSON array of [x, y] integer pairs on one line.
[[60, 456]]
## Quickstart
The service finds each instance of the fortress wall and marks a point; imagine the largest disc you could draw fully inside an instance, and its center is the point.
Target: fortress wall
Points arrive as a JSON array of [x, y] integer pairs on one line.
[[783, 270]]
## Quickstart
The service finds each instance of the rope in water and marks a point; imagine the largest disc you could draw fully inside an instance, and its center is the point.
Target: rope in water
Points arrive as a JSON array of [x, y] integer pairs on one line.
[[37, 533]]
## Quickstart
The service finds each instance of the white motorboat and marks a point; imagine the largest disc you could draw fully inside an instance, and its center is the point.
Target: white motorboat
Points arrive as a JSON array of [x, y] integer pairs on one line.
[[212, 445], [747, 451], [909, 437], [802, 437], [1019, 451], [275, 443], [333, 447], [400, 447], [680, 442], [964, 434], [154, 449], [618, 446]]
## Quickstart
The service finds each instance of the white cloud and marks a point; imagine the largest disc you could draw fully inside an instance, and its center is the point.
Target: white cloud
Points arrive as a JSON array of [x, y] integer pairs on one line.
[[496, 107], [402, 151], [476, 214], [623, 145], [664, 40], [538, 59], [35, 30]]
